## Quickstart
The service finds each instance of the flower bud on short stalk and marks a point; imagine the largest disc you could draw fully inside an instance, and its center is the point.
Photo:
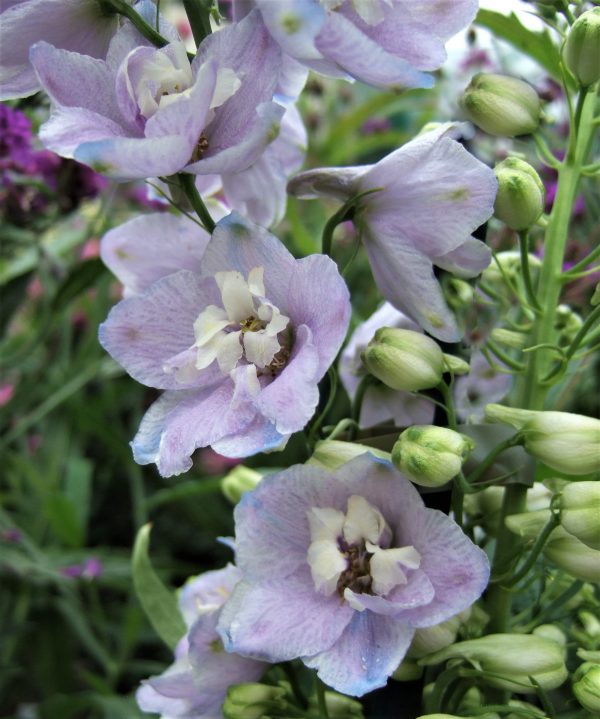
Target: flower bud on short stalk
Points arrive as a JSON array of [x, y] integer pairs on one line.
[[404, 360], [582, 48], [253, 701], [587, 686], [507, 265], [567, 322], [513, 657], [509, 338], [580, 511], [521, 197], [431, 456], [432, 639], [331, 453], [569, 443], [239, 481], [502, 105], [408, 671]]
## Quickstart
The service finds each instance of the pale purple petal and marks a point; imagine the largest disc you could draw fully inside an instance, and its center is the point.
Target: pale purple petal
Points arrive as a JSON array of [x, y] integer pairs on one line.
[[149, 247], [466, 260], [294, 24], [207, 589], [341, 183], [405, 408], [283, 619], [68, 127], [260, 435], [370, 649]]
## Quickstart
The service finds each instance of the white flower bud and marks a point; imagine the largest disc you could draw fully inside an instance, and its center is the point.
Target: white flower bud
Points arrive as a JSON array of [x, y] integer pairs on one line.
[[404, 359], [502, 105], [580, 511], [521, 197], [569, 443], [513, 657], [582, 49], [331, 453], [431, 456]]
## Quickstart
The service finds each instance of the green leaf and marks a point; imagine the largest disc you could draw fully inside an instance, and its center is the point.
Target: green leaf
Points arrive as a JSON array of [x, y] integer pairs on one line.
[[83, 276], [159, 604], [63, 519], [78, 488], [539, 45]]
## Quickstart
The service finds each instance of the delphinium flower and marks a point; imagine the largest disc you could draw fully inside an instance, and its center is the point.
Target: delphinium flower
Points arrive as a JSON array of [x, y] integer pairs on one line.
[[340, 568], [382, 42], [195, 685], [482, 385], [379, 402], [430, 195], [148, 112], [239, 346]]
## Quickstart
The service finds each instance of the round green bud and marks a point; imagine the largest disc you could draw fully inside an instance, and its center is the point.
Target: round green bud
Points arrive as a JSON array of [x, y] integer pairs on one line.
[[566, 442], [408, 671], [253, 701], [521, 197], [432, 639], [404, 360], [239, 481], [502, 105], [513, 659], [339, 706], [587, 688], [580, 511], [582, 48], [551, 631], [431, 456]]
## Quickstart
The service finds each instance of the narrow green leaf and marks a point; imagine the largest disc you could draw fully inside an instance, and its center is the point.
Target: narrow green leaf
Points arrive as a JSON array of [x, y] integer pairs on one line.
[[78, 488], [63, 519], [539, 45], [159, 604]]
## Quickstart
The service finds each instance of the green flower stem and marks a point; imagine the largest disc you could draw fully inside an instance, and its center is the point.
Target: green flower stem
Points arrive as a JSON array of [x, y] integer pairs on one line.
[[188, 185], [121, 7], [580, 266], [316, 426], [321, 702], [529, 291], [198, 13], [458, 493], [590, 321], [483, 466], [504, 357], [366, 382]]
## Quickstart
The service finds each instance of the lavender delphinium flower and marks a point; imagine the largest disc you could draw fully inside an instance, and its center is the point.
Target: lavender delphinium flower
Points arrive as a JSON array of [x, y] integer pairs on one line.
[[379, 402], [146, 112], [195, 686], [239, 346], [340, 568], [431, 195], [482, 386], [381, 42]]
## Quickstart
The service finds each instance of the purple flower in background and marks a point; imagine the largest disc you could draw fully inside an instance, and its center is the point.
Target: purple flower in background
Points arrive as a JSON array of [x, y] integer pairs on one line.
[[381, 42], [146, 112], [431, 195], [240, 346], [340, 568], [196, 684], [379, 402], [482, 386], [15, 139]]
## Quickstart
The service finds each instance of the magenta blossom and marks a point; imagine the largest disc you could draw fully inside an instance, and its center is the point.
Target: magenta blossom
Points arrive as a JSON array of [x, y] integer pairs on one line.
[[194, 687], [340, 568], [148, 112], [240, 346], [429, 196], [382, 42]]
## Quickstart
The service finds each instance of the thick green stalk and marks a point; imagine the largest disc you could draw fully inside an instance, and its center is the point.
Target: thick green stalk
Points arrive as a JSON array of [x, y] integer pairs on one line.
[[198, 13]]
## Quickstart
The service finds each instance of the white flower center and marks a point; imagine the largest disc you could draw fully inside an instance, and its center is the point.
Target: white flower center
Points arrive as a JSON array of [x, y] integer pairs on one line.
[[351, 551], [370, 11]]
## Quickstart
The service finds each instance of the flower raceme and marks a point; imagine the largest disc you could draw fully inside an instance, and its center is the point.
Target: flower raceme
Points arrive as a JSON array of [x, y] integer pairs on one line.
[[431, 195], [146, 112], [240, 346], [339, 569]]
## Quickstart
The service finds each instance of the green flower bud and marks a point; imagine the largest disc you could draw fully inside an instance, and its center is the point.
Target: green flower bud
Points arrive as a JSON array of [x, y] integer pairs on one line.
[[552, 632], [502, 105], [408, 671], [568, 322], [566, 442], [431, 456], [515, 340], [513, 657], [404, 360], [339, 706], [521, 197], [591, 623], [459, 294], [456, 365], [587, 688], [431, 639], [507, 265], [253, 701], [582, 49], [239, 481], [331, 453], [580, 512]]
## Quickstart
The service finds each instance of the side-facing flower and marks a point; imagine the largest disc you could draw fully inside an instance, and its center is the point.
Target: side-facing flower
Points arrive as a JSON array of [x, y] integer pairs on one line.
[[240, 347], [429, 196], [382, 42], [195, 686], [379, 402], [146, 112], [340, 568], [483, 384]]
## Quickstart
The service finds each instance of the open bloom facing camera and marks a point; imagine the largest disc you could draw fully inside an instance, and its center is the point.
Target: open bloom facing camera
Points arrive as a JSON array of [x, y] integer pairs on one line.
[[240, 346], [340, 568]]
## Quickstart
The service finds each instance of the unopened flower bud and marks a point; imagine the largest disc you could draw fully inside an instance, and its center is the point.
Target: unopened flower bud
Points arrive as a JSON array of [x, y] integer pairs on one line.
[[253, 701], [552, 632], [513, 658], [431, 639], [340, 706], [507, 266], [591, 623], [456, 365], [459, 294], [331, 453], [582, 49], [566, 442], [587, 687], [408, 671], [515, 340], [521, 197], [239, 481], [404, 359], [580, 511], [567, 322], [431, 456], [502, 105]]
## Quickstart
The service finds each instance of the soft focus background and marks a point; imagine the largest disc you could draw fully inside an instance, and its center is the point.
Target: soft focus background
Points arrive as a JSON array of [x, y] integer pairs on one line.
[[74, 641]]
